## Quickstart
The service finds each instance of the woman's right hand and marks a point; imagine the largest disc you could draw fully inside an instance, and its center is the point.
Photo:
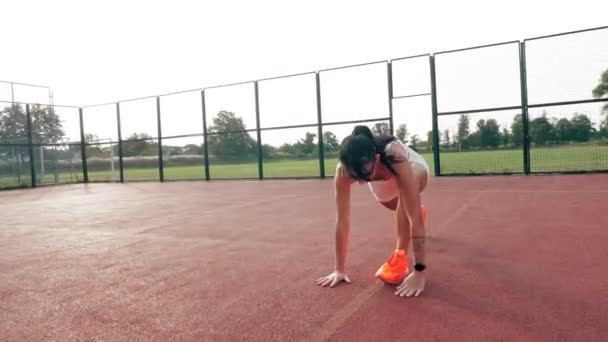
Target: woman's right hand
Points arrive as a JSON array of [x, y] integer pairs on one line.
[[333, 279]]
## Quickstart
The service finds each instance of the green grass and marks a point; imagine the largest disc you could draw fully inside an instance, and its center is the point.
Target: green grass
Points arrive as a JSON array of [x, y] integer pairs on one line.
[[575, 158], [544, 159], [48, 178], [557, 159], [502, 161]]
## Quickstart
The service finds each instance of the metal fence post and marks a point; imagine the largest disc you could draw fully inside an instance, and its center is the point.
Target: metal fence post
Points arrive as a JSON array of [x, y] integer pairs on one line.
[[389, 70], [205, 145], [524, 106], [258, 131], [435, 117], [161, 166], [320, 127], [83, 148], [30, 144], [120, 154]]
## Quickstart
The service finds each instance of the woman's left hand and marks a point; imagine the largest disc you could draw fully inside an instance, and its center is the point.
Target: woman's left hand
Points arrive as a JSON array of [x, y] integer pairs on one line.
[[412, 285]]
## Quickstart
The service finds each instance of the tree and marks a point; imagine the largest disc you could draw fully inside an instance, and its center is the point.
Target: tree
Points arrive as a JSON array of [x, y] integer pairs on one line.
[[381, 128], [303, 147], [330, 142], [402, 133], [487, 134], [46, 125], [288, 149], [541, 130], [429, 139], [598, 92], [562, 131], [474, 139], [414, 141], [506, 137], [517, 130], [446, 136], [13, 125], [307, 145], [233, 142], [268, 151], [582, 128], [490, 136], [46, 128], [603, 132], [463, 131], [601, 89], [139, 145], [94, 147]]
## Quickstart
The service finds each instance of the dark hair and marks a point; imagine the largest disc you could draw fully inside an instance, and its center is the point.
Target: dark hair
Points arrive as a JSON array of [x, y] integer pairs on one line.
[[361, 147]]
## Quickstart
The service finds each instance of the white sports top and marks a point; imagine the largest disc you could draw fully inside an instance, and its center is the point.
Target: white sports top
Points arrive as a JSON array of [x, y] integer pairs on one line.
[[386, 190]]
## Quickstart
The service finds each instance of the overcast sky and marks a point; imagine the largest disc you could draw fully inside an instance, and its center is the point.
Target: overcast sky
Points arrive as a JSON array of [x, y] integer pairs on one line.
[[114, 50]]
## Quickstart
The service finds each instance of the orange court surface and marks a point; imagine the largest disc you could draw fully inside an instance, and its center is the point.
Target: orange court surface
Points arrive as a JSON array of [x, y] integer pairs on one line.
[[510, 258]]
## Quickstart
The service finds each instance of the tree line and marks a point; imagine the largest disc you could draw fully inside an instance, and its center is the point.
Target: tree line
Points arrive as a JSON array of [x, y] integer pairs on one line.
[[543, 131], [228, 140]]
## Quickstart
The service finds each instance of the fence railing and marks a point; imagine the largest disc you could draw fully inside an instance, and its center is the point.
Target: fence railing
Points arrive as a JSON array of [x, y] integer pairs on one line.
[[532, 106]]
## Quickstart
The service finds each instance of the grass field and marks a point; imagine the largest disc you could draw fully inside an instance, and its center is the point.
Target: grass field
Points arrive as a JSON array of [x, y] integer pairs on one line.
[[545, 159], [562, 159]]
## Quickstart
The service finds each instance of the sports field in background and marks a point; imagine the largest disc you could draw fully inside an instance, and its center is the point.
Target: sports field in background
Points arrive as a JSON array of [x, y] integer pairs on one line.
[[556, 159]]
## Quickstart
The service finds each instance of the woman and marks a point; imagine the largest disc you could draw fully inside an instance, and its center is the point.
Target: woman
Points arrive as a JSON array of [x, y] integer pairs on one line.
[[396, 175]]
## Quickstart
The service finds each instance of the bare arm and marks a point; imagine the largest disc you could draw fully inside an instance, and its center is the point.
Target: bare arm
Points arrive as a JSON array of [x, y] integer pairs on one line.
[[342, 192]]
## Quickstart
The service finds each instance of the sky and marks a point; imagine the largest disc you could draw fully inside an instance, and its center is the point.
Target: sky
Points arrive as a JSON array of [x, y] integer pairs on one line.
[[98, 52]]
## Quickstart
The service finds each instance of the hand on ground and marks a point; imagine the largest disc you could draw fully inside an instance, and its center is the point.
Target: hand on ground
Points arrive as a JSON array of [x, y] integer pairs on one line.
[[412, 285], [333, 279]]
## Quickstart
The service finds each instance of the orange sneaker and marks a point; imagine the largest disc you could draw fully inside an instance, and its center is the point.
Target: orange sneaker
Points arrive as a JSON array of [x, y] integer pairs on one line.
[[394, 269]]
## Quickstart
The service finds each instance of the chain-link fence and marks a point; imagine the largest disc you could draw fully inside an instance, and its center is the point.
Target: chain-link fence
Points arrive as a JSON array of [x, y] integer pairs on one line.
[[527, 107], [538, 105]]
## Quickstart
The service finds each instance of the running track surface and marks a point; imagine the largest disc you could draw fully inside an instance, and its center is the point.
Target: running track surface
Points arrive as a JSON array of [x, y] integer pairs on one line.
[[511, 258]]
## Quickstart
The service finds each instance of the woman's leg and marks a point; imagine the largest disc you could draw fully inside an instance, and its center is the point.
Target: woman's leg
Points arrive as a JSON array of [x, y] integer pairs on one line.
[[402, 222], [396, 267], [404, 233], [421, 172], [401, 219], [401, 260]]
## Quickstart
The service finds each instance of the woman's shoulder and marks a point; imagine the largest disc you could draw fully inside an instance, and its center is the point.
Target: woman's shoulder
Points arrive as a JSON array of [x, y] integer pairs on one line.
[[339, 167], [397, 148], [341, 173]]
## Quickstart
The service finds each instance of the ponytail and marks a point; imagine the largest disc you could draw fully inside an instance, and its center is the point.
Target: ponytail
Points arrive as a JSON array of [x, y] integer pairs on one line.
[[363, 130]]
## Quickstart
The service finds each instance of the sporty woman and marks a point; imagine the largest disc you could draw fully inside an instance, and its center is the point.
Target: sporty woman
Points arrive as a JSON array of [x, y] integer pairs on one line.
[[396, 176]]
